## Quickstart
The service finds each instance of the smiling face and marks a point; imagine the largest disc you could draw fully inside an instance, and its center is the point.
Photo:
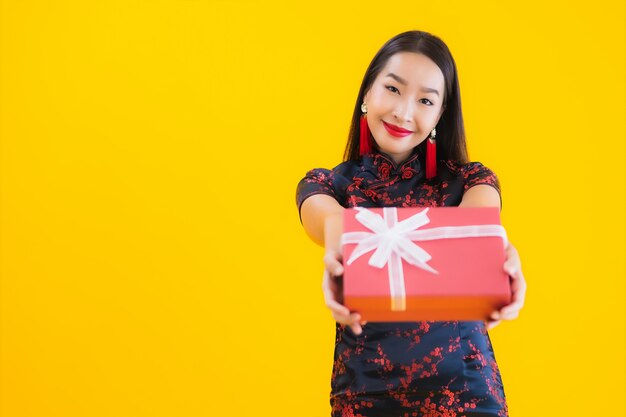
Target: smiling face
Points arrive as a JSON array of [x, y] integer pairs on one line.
[[404, 103]]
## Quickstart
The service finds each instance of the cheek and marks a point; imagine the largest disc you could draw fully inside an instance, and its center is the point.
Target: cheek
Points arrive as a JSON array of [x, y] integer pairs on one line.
[[380, 100], [429, 118]]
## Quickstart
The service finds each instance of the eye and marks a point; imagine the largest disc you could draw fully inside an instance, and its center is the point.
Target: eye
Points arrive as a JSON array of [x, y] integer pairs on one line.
[[431, 103], [392, 88]]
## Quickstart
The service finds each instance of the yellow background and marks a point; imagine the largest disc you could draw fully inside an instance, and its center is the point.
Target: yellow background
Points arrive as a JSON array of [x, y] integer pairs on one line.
[[152, 260]]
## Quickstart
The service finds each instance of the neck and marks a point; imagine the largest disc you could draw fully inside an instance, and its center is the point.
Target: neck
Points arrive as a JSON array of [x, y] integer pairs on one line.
[[398, 158]]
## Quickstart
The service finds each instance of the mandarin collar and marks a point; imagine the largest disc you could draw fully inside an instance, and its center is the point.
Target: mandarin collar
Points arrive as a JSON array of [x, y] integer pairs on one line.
[[383, 165]]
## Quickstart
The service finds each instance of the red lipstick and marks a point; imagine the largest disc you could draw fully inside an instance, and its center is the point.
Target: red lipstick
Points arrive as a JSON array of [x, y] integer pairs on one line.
[[396, 131]]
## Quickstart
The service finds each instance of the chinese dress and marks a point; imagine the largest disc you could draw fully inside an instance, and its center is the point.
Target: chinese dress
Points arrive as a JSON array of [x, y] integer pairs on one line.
[[426, 368]]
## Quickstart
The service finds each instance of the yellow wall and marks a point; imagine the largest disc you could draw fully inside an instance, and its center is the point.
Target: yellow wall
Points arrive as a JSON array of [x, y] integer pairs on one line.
[[152, 259]]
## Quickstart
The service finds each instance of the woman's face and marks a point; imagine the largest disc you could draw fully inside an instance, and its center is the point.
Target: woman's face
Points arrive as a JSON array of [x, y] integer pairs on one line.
[[404, 103]]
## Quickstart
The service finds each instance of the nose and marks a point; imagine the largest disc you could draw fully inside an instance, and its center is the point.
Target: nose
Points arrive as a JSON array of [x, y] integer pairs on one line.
[[404, 111]]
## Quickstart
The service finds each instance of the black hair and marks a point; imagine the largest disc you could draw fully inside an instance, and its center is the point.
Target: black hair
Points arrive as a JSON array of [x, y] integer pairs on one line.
[[450, 128]]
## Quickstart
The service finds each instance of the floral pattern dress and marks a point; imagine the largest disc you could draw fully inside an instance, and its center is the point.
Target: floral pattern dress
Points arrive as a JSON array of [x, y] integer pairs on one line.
[[428, 368]]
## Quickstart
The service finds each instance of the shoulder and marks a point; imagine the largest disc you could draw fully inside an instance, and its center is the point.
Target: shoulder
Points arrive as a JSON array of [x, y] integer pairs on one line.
[[328, 179], [344, 169], [467, 168], [472, 173], [332, 182]]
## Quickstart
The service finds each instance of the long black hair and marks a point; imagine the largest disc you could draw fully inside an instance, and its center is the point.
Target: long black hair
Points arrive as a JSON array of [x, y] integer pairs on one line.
[[450, 128]]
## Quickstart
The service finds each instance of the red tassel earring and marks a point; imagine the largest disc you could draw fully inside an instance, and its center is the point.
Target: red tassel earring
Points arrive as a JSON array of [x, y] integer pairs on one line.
[[431, 155], [365, 136]]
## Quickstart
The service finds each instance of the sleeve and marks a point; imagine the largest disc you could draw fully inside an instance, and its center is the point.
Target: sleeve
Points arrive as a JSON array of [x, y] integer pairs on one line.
[[476, 173], [316, 181]]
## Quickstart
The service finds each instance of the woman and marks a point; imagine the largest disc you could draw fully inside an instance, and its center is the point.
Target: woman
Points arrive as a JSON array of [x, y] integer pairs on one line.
[[407, 148]]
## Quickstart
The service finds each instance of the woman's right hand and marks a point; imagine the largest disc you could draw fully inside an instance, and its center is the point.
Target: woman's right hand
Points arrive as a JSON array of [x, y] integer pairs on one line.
[[332, 285]]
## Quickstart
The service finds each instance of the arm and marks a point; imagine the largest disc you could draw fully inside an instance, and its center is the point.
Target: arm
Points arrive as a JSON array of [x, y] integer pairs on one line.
[[486, 196], [481, 195], [322, 218]]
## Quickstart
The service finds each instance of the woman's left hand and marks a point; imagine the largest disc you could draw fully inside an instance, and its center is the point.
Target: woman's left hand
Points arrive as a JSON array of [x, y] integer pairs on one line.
[[513, 267]]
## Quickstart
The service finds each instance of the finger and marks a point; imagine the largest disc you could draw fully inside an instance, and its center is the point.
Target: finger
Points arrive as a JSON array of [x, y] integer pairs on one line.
[[341, 317], [332, 262], [519, 282], [356, 328], [492, 324], [517, 304], [328, 289], [348, 319], [517, 277], [511, 250], [512, 264], [330, 282], [518, 293], [336, 307], [507, 310], [511, 270], [518, 289], [516, 274], [510, 315], [340, 312], [354, 325], [510, 311], [325, 282]]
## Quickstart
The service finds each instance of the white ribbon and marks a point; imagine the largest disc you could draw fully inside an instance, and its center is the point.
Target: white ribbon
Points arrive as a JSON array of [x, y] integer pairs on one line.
[[393, 242]]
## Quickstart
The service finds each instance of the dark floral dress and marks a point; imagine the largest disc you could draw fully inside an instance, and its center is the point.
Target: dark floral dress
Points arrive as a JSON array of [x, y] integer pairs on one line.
[[428, 368]]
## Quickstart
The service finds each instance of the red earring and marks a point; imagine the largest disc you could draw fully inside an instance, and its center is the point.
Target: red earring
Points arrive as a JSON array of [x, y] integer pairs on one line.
[[431, 155], [365, 136]]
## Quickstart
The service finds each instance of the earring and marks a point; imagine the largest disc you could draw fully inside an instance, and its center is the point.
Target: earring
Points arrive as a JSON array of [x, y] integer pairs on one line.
[[365, 136], [431, 155]]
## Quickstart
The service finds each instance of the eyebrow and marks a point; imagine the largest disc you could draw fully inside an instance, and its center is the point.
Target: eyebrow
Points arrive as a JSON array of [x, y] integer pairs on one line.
[[404, 82]]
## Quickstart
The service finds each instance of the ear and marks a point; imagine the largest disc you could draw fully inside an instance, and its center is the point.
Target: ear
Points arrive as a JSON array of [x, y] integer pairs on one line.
[[366, 95]]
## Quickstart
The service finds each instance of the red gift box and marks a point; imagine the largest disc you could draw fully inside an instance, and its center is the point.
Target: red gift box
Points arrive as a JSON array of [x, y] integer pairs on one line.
[[416, 263]]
